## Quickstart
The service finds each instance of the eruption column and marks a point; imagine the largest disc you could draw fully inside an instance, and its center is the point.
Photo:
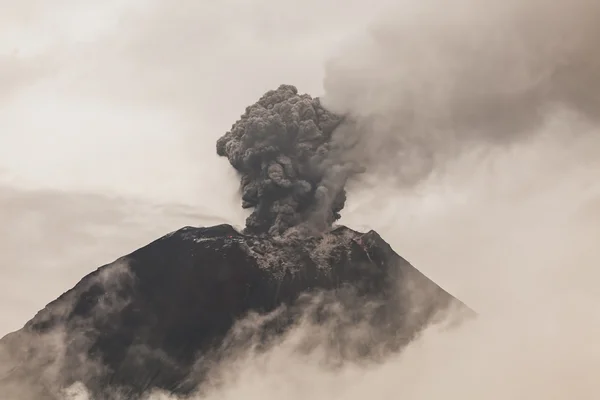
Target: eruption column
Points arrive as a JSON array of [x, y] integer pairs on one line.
[[282, 147]]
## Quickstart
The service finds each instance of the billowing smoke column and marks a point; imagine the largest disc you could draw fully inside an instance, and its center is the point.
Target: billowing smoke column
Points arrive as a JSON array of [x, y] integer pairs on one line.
[[282, 147]]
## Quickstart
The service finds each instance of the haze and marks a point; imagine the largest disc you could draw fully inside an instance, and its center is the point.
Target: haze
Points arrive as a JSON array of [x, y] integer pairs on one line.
[[109, 112]]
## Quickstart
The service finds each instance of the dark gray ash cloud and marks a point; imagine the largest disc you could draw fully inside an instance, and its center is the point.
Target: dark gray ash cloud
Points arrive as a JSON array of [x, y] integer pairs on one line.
[[291, 170]]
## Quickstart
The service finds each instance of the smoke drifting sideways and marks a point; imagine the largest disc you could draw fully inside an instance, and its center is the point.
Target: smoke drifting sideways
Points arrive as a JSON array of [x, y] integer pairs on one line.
[[292, 172], [432, 80]]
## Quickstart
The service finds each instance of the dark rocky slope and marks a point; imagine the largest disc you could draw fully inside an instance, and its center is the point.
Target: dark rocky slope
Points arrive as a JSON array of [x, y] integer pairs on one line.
[[160, 317]]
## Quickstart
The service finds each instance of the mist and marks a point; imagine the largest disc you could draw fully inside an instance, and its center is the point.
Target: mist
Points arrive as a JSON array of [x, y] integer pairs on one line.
[[481, 145]]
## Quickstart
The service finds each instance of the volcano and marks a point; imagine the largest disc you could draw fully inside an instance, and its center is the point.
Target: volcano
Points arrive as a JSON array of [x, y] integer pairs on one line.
[[165, 316], [160, 317]]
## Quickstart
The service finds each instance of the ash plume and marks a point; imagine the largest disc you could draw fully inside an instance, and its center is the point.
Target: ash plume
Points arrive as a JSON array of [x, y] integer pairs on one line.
[[290, 172]]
